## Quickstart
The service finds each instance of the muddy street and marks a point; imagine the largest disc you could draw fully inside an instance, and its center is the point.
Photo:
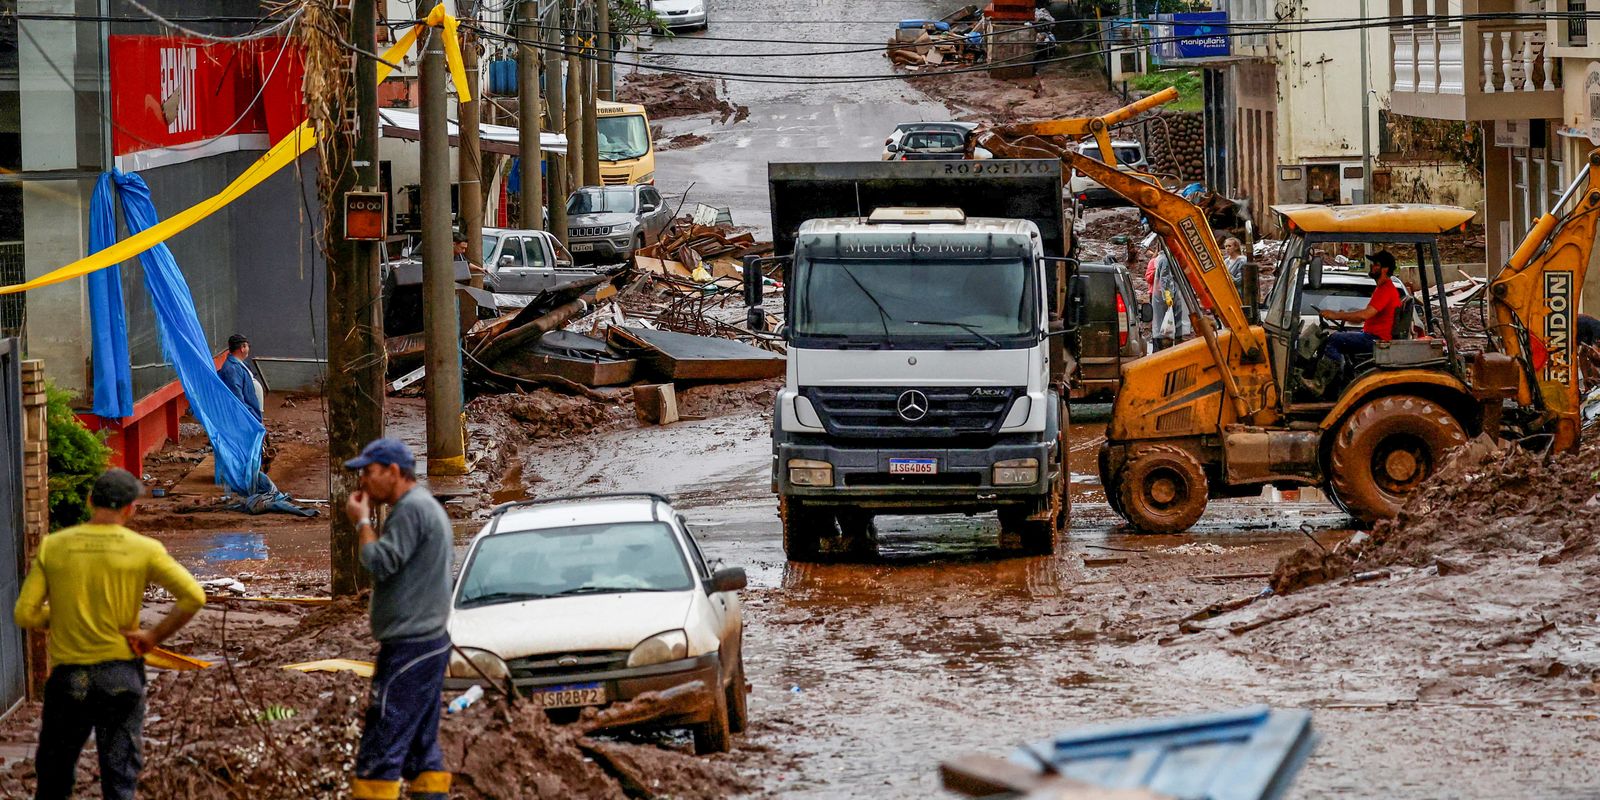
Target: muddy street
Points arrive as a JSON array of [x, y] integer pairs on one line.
[[866, 675]]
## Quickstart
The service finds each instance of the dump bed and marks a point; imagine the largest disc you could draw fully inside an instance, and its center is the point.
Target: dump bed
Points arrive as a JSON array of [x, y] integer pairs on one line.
[[1027, 189]]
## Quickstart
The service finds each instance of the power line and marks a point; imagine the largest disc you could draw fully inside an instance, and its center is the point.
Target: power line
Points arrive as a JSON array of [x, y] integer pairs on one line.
[[260, 34]]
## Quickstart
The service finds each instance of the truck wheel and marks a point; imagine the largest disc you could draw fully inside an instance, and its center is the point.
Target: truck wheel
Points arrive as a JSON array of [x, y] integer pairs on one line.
[[803, 530], [858, 536], [714, 735], [1034, 537], [1386, 449], [1162, 489], [1109, 482]]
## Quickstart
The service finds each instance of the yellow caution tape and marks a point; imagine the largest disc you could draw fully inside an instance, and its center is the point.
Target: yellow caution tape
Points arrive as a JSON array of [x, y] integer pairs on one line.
[[281, 155], [162, 658], [362, 668]]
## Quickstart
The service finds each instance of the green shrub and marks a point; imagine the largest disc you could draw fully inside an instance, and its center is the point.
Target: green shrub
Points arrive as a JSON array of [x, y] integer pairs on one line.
[[1191, 89], [77, 456]]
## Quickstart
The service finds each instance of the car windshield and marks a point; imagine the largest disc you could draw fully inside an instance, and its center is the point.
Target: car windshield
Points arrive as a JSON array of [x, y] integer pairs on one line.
[[488, 245], [949, 300], [622, 137], [594, 201], [574, 560]]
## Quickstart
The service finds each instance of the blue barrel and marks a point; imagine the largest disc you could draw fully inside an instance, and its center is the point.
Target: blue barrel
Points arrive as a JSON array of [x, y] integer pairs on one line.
[[503, 76]]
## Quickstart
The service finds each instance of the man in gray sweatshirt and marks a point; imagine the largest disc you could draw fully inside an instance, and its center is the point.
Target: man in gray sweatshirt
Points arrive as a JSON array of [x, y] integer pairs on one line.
[[410, 566]]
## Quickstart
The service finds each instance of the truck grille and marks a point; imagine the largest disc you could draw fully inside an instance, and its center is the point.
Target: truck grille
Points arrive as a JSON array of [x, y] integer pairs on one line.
[[873, 411], [618, 179]]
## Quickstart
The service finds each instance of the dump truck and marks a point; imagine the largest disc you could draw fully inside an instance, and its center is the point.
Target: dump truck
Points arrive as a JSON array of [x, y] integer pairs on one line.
[[928, 360]]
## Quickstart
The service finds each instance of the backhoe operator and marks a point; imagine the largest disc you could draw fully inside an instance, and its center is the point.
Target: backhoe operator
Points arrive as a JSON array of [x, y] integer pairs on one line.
[[1377, 319]]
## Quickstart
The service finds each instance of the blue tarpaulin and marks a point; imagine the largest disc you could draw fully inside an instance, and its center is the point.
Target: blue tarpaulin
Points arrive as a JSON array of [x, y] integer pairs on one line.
[[236, 435], [113, 371]]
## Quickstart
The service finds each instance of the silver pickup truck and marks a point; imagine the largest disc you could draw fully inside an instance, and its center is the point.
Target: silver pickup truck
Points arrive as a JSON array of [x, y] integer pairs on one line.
[[527, 262]]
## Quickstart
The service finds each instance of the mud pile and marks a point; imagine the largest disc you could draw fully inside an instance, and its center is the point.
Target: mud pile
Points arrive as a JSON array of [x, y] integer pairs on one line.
[[666, 94], [1054, 93], [543, 414], [721, 399], [1488, 502]]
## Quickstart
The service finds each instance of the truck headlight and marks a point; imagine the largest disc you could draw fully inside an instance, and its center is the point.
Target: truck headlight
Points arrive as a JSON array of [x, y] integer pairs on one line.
[[477, 664], [806, 472], [659, 649], [1016, 472], [648, 177]]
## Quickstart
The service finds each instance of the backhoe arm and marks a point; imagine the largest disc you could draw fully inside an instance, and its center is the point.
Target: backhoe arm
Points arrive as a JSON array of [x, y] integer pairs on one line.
[[1098, 127], [1183, 227], [1535, 302]]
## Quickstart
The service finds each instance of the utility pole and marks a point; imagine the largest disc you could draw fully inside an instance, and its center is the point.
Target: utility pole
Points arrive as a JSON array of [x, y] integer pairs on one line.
[[469, 164], [356, 359], [446, 448], [1366, 115], [606, 88], [554, 91], [528, 120], [591, 131], [575, 149]]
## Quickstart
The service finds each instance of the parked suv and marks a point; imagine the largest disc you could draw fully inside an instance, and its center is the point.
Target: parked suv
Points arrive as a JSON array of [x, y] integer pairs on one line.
[[605, 224], [1130, 158], [1109, 334], [592, 600]]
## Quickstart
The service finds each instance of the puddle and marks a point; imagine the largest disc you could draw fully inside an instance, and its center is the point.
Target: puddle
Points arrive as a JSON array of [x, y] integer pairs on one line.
[[235, 546]]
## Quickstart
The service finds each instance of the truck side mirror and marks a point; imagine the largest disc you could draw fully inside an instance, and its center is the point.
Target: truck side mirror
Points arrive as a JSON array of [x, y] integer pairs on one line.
[[891, 148], [507, 261], [1147, 313]]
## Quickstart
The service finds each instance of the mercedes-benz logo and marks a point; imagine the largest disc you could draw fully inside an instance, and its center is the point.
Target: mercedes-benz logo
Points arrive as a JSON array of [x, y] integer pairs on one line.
[[912, 405]]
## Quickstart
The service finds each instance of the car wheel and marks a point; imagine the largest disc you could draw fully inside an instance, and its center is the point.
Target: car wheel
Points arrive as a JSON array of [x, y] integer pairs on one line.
[[714, 735], [738, 696]]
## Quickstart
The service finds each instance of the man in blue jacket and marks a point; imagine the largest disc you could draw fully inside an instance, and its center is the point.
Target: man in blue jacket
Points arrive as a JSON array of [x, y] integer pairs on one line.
[[236, 374]]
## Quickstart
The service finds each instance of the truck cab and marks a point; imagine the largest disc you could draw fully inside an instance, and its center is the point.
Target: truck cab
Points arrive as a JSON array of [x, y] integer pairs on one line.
[[919, 378]]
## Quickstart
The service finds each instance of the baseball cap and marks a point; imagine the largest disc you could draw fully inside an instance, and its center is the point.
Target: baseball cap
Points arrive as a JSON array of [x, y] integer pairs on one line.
[[1382, 258], [384, 451]]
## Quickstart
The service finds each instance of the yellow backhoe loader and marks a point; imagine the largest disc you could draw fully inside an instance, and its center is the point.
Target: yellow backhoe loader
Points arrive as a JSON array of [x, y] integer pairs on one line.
[[1245, 404]]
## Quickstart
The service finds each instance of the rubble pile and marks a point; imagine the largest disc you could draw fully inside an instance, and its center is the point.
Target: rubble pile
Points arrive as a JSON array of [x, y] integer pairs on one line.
[[1489, 502], [543, 414], [668, 94], [254, 729]]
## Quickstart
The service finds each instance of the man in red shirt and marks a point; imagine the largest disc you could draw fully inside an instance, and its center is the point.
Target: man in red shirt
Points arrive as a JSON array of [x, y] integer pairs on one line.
[[1377, 319]]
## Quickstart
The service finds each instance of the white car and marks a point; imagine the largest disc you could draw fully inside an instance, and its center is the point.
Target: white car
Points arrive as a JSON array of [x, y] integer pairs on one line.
[[1130, 158], [683, 13], [586, 601]]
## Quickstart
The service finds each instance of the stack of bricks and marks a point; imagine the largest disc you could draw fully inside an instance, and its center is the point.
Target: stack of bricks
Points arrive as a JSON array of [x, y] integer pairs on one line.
[[35, 499]]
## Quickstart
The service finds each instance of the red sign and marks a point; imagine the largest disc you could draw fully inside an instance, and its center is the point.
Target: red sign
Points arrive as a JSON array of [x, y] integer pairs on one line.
[[168, 91]]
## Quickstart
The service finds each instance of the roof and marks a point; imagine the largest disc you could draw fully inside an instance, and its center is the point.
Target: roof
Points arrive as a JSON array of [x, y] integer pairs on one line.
[[404, 123], [578, 511], [603, 107], [857, 225], [1374, 218], [913, 126]]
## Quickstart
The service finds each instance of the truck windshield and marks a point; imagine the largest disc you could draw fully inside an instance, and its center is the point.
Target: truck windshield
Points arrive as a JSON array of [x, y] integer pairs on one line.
[[983, 302]]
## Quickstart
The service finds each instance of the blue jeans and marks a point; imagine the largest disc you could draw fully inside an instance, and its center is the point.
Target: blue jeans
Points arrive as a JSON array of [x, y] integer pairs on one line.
[[1350, 343], [106, 698], [401, 736]]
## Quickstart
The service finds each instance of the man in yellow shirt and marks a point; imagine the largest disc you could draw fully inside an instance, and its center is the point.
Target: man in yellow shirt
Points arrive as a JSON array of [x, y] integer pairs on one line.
[[86, 587]]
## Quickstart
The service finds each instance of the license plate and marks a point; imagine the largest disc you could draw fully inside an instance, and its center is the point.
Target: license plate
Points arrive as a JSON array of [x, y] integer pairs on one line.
[[913, 466], [579, 247], [570, 695]]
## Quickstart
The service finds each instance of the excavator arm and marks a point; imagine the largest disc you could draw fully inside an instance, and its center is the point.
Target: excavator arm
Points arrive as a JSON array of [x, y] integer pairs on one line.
[[1535, 304]]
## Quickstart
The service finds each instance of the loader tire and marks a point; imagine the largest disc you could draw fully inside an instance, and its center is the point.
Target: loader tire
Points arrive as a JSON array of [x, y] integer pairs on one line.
[[1161, 489], [1109, 482], [1385, 450], [806, 531]]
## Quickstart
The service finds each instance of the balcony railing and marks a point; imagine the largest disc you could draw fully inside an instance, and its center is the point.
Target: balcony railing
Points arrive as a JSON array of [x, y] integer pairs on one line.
[[1470, 61]]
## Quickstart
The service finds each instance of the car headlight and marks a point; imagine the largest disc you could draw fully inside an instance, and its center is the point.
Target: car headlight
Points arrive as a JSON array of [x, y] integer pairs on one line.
[[698, 9], [477, 664], [1016, 472], [659, 649]]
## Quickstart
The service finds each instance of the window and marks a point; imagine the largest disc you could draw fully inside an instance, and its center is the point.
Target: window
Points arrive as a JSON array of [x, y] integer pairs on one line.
[[649, 195], [512, 250], [535, 252], [1577, 32]]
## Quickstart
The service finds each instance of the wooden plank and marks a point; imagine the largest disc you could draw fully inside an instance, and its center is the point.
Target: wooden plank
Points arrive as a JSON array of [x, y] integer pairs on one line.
[[684, 357], [656, 403]]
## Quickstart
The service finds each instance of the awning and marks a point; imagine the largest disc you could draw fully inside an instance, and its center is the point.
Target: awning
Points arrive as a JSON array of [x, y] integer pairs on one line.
[[404, 123]]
